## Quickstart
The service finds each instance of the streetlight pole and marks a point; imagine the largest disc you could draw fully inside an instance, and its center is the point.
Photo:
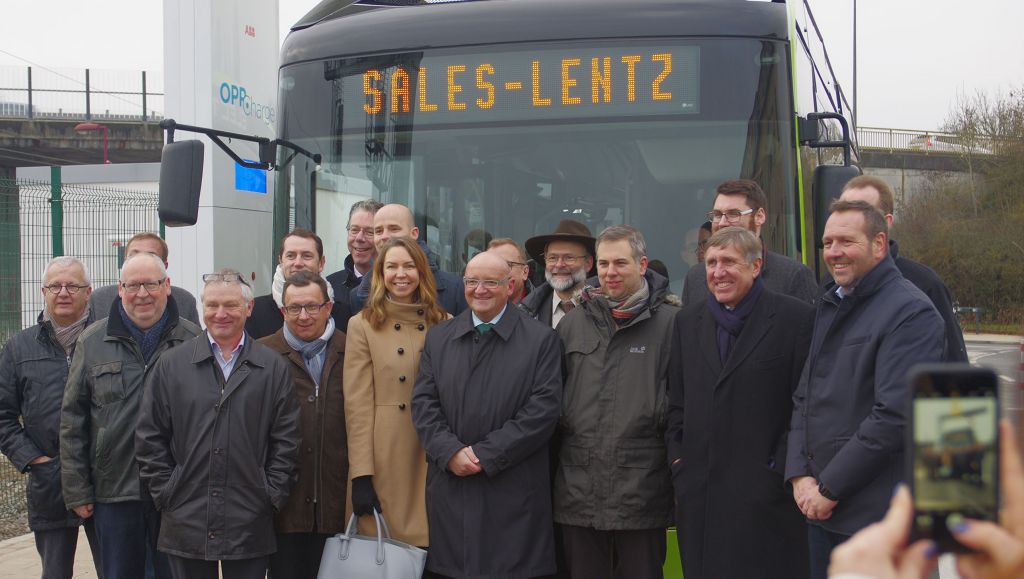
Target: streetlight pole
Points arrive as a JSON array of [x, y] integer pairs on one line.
[[96, 127], [855, 110]]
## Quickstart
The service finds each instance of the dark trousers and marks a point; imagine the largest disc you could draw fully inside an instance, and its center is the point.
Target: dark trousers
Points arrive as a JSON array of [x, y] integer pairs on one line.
[[298, 555], [182, 568], [127, 534], [821, 543], [57, 548], [594, 554]]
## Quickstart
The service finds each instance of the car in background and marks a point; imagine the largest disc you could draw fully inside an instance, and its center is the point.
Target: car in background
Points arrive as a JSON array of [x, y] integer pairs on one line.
[[945, 144]]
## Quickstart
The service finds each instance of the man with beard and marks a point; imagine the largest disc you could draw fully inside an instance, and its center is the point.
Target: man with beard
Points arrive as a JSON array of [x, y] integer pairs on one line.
[[361, 251], [567, 254], [742, 203]]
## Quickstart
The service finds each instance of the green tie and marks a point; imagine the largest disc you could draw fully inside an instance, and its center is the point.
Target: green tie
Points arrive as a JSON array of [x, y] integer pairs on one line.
[[484, 327]]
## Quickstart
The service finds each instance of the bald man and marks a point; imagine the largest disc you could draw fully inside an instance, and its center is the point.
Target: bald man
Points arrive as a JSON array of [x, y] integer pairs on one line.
[[396, 220]]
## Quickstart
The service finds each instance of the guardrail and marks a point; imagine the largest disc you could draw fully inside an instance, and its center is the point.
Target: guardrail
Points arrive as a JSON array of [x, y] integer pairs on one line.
[[893, 140], [43, 93]]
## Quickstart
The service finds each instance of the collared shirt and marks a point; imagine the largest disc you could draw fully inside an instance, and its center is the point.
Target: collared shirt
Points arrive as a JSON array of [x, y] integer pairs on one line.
[[842, 293], [556, 312], [226, 365], [477, 321]]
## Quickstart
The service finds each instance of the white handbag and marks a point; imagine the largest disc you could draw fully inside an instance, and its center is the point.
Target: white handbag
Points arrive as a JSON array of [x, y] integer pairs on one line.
[[351, 556]]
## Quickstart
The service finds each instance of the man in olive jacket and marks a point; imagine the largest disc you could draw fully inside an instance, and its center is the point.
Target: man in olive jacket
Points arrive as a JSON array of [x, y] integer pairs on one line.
[[101, 403], [217, 441], [313, 349], [613, 495], [33, 373]]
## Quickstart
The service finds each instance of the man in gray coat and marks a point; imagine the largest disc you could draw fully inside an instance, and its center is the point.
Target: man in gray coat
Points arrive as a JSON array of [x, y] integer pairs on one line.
[[217, 441], [613, 495], [845, 445], [742, 203], [33, 373], [485, 405], [101, 402], [145, 242]]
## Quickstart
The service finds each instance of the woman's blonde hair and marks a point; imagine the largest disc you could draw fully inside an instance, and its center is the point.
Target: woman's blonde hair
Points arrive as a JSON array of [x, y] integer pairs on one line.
[[426, 294]]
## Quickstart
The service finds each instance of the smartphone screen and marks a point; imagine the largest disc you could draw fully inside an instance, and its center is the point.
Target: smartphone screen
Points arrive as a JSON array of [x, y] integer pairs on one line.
[[954, 458]]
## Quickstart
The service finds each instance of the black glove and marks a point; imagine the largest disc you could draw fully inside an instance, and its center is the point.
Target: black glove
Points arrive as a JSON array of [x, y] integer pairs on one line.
[[364, 498]]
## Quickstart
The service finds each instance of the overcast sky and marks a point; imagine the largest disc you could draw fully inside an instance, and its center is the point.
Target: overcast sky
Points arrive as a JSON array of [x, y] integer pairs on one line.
[[914, 56]]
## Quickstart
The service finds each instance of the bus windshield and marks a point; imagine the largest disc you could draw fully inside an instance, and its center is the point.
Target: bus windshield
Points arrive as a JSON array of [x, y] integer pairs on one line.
[[506, 142]]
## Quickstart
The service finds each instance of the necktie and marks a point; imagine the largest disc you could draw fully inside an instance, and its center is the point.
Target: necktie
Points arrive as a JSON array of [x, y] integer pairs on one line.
[[567, 306], [484, 327]]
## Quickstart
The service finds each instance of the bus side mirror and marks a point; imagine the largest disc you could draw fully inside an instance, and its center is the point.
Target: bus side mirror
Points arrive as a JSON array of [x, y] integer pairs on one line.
[[827, 186], [181, 178]]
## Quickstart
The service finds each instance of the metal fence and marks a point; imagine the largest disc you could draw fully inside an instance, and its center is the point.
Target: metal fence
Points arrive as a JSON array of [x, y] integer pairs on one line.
[[39, 220], [893, 140], [28, 92]]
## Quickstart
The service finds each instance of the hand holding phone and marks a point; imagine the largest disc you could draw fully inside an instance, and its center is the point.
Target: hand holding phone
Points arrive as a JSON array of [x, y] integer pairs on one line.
[[952, 450]]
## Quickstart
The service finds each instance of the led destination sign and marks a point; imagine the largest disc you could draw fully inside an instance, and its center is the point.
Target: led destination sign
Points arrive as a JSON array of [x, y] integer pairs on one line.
[[513, 86]]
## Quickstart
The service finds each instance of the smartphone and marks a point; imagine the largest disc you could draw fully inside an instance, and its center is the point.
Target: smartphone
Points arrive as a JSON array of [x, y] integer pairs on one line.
[[952, 449]]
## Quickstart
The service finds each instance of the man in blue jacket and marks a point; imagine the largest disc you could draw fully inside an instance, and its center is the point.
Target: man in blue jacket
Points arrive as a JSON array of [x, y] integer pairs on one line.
[[396, 220], [845, 450]]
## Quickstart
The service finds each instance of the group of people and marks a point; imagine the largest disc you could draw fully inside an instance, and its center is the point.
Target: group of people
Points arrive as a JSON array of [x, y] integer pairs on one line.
[[510, 430]]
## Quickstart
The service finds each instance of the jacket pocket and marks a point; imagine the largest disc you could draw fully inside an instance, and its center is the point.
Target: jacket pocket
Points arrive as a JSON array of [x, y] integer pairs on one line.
[[43, 494], [642, 483], [107, 383], [573, 482], [166, 500], [581, 345]]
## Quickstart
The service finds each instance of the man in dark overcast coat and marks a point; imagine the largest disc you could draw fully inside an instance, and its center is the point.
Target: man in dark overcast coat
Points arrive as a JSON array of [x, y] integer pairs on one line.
[[736, 360], [485, 405]]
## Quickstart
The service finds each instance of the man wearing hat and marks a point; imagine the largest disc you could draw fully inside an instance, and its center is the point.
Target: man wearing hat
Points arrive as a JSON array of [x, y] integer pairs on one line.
[[567, 255]]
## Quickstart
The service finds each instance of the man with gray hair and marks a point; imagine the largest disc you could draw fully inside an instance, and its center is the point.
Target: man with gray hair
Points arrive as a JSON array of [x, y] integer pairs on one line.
[[361, 251], [33, 372], [217, 441], [736, 360], [100, 410], [617, 349]]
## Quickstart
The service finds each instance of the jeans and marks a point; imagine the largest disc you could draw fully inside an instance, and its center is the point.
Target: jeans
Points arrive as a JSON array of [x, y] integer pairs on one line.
[[57, 548], [821, 543], [127, 535]]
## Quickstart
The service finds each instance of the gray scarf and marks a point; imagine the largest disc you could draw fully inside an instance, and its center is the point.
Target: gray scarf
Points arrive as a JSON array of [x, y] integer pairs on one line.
[[312, 352], [67, 335]]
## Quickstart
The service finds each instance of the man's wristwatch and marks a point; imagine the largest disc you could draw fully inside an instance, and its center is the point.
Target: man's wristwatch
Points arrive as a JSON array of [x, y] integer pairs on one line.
[[826, 493]]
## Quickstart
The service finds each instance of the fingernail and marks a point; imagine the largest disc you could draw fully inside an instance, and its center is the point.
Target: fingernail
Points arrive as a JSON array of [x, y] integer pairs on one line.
[[932, 551], [956, 523]]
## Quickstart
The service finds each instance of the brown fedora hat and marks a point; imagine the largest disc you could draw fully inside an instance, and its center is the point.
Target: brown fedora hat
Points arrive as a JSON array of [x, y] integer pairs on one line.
[[566, 230]]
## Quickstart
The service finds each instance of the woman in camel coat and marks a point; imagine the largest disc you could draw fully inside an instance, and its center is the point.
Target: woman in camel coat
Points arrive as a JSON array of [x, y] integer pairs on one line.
[[386, 461]]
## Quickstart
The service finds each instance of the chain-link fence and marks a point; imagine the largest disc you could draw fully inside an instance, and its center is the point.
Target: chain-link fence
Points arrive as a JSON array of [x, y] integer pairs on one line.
[[38, 221]]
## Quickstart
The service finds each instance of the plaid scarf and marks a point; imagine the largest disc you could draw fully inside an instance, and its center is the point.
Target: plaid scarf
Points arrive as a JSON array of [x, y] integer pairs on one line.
[[625, 309], [66, 335]]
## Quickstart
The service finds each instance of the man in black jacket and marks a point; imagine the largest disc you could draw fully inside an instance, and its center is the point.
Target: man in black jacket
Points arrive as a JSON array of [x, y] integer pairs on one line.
[[217, 441], [361, 251], [33, 372], [876, 192], [99, 474], [396, 220], [742, 203], [300, 250], [845, 446]]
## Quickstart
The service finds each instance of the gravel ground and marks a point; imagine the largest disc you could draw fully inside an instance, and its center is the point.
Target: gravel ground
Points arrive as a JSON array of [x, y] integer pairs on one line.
[[13, 526]]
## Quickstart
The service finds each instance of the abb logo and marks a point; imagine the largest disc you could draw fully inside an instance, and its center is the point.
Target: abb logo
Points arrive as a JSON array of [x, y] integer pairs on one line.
[[250, 30]]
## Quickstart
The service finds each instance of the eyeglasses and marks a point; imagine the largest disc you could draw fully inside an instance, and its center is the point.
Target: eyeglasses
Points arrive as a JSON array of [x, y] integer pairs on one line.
[[732, 215], [567, 259], [151, 286], [54, 288], [354, 230], [473, 283], [516, 263], [224, 277], [311, 309]]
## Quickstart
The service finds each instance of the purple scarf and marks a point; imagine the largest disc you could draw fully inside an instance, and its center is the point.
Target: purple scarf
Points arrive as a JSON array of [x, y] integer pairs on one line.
[[730, 323]]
